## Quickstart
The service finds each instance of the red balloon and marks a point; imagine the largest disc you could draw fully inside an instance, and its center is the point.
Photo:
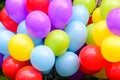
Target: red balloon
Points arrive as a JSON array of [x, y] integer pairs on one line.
[[113, 71], [41, 5], [91, 58], [7, 21], [28, 73], [11, 66], [90, 20], [87, 71]]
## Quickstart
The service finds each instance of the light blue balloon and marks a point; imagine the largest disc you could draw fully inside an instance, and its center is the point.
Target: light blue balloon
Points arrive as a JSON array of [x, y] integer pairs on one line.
[[80, 13], [67, 64], [5, 56], [5, 37], [2, 27], [77, 33], [42, 58], [22, 29], [45, 72]]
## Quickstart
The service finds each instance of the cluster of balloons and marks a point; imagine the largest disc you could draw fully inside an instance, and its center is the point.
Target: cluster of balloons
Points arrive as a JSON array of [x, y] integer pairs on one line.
[[39, 35]]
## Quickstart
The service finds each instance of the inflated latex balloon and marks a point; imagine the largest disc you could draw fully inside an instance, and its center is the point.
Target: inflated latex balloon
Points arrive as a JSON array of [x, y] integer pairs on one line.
[[90, 4], [113, 71], [7, 21], [20, 47], [100, 32], [107, 6], [16, 9], [113, 19], [22, 29], [111, 48], [96, 17], [67, 64], [91, 58], [90, 35], [11, 66], [1, 59], [42, 58], [38, 24], [58, 41], [41, 5], [28, 73], [80, 13], [2, 27], [77, 33], [5, 37], [60, 12]]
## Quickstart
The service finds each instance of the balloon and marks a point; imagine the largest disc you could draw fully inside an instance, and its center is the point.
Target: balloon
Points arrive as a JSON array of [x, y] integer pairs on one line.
[[91, 58], [28, 73], [5, 37], [107, 6], [90, 4], [6, 55], [7, 21], [100, 32], [113, 71], [11, 66], [16, 9], [90, 20], [20, 47], [96, 17], [67, 64], [80, 13], [77, 33], [41, 5], [22, 29], [58, 41], [42, 58], [90, 35], [101, 74], [1, 59], [2, 27], [113, 19], [111, 48], [60, 12], [38, 24]]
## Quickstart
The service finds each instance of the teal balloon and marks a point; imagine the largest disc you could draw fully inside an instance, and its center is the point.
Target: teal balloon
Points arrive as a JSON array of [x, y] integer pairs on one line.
[[5, 37], [67, 64], [2, 27], [42, 58], [77, 33], [22, 29], [80, 13]]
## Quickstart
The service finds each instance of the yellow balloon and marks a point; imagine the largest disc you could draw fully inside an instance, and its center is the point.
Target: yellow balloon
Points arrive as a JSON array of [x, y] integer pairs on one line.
[[111, 49], [101, 74], [100, 32], [20, 47], [96, 17]]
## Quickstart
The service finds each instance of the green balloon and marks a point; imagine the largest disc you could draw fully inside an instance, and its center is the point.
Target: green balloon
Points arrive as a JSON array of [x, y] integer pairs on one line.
[[90, 4], [58, 41], [90, 35], [107, 6]]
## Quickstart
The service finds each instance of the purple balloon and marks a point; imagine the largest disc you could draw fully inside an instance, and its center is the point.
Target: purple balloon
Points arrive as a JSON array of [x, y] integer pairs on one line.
[[113, 21], [16, 9], [38, 24], [1, 59], [60, 12]]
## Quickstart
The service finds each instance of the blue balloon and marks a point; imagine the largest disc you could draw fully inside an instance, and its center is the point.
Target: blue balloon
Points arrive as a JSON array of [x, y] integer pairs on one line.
[[80, 13], [1, 59], [2, 27], [42, 58], [22, 29], [5, 37], [77, 33], [67, 64], [5, 56], [45, 72]]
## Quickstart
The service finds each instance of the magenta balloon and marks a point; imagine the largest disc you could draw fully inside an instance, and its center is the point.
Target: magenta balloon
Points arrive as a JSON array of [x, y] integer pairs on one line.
[[113, 21], [60, 12], [1, 59], [16, 9], [38, 24]]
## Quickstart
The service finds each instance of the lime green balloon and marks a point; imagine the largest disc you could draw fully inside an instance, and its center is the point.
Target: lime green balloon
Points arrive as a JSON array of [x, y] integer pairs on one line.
[[58, 41], [107, 6], [90, 4], [90, 39]]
